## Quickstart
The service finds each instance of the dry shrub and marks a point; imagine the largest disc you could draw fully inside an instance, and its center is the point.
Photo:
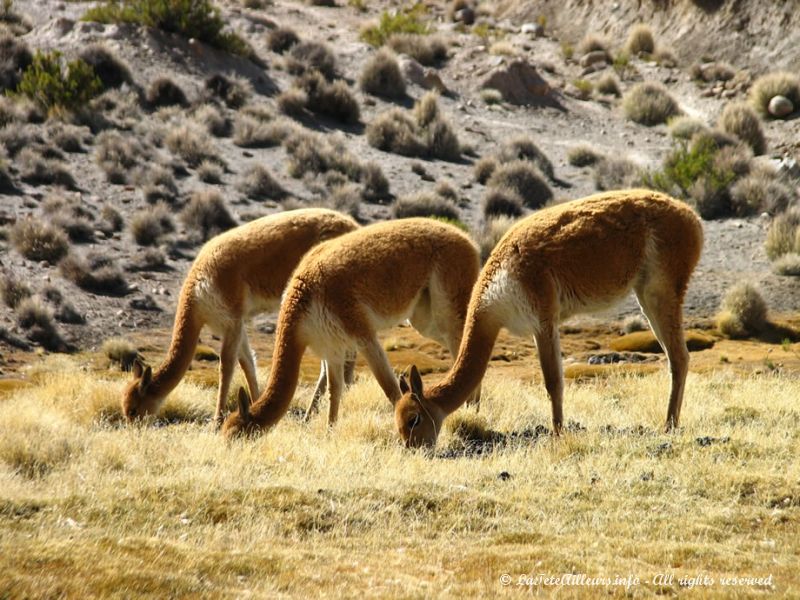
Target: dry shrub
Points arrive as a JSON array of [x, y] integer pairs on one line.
[[282, 39], [616, 173], [759, 192], [332, 99], [523, 148], [634, 323], [257, 183], [117, 155], [310, 56], [684, 127], [666, 57], [16, 137], [593, 42], [111, 71], [381, 76], [347, 199], [743, 311], [524, 179], [395, 131], [714, 71], [149, 226], [484, 168], [425, 49], [766, 87], [233, 91], [15, 57], [95, 274], [68, 138], [211, 118], [649, 103], [501, 202], [252, 133], [787, 265], [582, 156], [374, 183], [13, 291], [149, 259], [640, 40], [37, 240], [292, 102], [36, 169], [209, 172], [189, 143], [309, 153], [494, 229], [783, 235], [120, 351], [424, 204], [739, 119], [163, 92], [608, 84], [38, 322], [158, 184], [207, 214], [111, 220]]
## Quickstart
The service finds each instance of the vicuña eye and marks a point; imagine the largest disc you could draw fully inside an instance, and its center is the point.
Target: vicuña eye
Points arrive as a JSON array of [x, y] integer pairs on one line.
[[413, 421]]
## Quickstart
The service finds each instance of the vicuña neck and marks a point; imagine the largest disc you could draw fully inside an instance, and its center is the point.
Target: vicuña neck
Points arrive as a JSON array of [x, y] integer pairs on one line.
[[185, 335], [283, 378], [480, 332]]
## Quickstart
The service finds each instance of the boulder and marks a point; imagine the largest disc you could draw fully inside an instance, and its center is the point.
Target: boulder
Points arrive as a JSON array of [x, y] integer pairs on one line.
[[520, 83], [780, 106], [592, 58]]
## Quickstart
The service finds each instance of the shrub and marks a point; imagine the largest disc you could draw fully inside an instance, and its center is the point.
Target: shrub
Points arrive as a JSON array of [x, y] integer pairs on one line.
[[426, 50], [94, 274], [374, 182], [494, 229], [258, 184], [640, 40], [484, 168], [616, 173], [13, 291], [424, 204], [34, 317], [188, 142], [523, 178], [608, 84], [634, 323], [68, 137], [711, 72], [207, 214], [744, 311], [317, 154], [149, 259], [120, 351], [593, 43], [292, 102], [381, 76], [111, 71], [740, 120], [117, 154], [163, 91], [148, 227], [760, 192], [38, 170], [15, 58], [112, 221], [649, 103], [209, 172], [491, 96], [684, 127], [251, 133], [402, 21], [780, 83], [159, 184], [307, 56], [441, 141], [783, 235], [331, 99], [665, 57], [233, 91], [347, 199], [787, 265], [198, 19], [52, 86], [211, 118], [395, 131], [282, 39], [582, 156], [523, 148], [501, 202]]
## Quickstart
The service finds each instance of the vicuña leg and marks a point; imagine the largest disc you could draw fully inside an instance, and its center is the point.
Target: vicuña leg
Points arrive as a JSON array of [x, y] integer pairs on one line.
[[335, 388], [319, 391], [549, 346], [248, 364], [379, 365], [662, 308], [349, 368], [231, 342]]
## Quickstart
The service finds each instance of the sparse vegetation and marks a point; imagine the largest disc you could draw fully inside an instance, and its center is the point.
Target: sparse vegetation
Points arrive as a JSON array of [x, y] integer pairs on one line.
[[501, 202], [523, 147], [207, 215], [209, 172], [37, 320], [148, 227], [15, 58], [608, 84], [95, 274], [117, 154], [783, 235], [311, 56], [424, 204], [381, 76], [292, 102], [787, 265], [649, 103], [282, 39], [780, 83], [121, 352], [494, 229], [743, 311], [37, 240], [163, 92], [257, 183], [484, 168], [742, 121], [36, 169], [13, 291], [252, 133], [426, 50], [593, 42], [612, 173], [760, 191], [640, 40], [109, 69], [684, 127], [234, 91], [188, 142], [524, 179], [582, 156], [332, 99]]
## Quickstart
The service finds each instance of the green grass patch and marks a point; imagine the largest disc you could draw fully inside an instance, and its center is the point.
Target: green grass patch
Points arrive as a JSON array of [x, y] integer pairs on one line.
[[403, 21], [53, 84]]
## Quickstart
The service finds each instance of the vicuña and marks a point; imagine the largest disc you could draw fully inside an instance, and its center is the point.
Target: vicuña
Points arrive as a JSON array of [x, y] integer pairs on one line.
[[579, 256], [236, 275], [348, 289]]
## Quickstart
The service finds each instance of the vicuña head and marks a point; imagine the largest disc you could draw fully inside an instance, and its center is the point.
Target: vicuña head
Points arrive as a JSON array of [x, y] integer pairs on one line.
[[136, 401], [579, 256]]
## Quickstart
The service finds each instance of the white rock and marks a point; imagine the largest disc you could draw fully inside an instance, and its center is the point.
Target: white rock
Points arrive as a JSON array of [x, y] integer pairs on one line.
[[780, 106]]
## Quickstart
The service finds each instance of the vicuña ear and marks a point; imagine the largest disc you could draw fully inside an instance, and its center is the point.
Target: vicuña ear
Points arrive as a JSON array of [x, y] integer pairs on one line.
[[147, 377], [404, 388], [244, 404], [138, 368], [416, 381]]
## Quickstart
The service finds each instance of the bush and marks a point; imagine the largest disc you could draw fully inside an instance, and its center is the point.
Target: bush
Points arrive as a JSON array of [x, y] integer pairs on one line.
[[15, 58], [402, 21], [593, 43], [740, 120], [159, 184], [13, 291], [426, 50], [111, 71], [95, 274], [766, 87], [523, 178], [68, 137], [494, 229], [38, 170], [744, 311], [491, 96], [640, 40], [292, 102], [783, 235], [209, 172], [317, 154], [117, 154], [34, 317], [307, 56], [347, 199], [207, 214], [787, 265], [484, 168], [582, 156], [608, 84], [381, 76], [188, 142], [395, 131], [251, 133], [120, 351], [424, 204], [649, 103], [616, 174], [211, 118], [501, 202], [685, 127], [374, 182], [258, 184], [112, 221], [51, 86], [524, 148], [760, 192], [198, 19], [148, 227], [233, 91], [330, 99], [282, 39], [162, 92]]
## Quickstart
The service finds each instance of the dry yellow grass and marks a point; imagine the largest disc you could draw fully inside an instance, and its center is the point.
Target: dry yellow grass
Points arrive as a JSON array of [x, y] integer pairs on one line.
[[91, 508]]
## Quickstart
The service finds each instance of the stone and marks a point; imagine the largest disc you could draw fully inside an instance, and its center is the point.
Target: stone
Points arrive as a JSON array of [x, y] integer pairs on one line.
[[520, 83], [532, 29], [419, 75], [465, 16], [780, 106], [593, 58]]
